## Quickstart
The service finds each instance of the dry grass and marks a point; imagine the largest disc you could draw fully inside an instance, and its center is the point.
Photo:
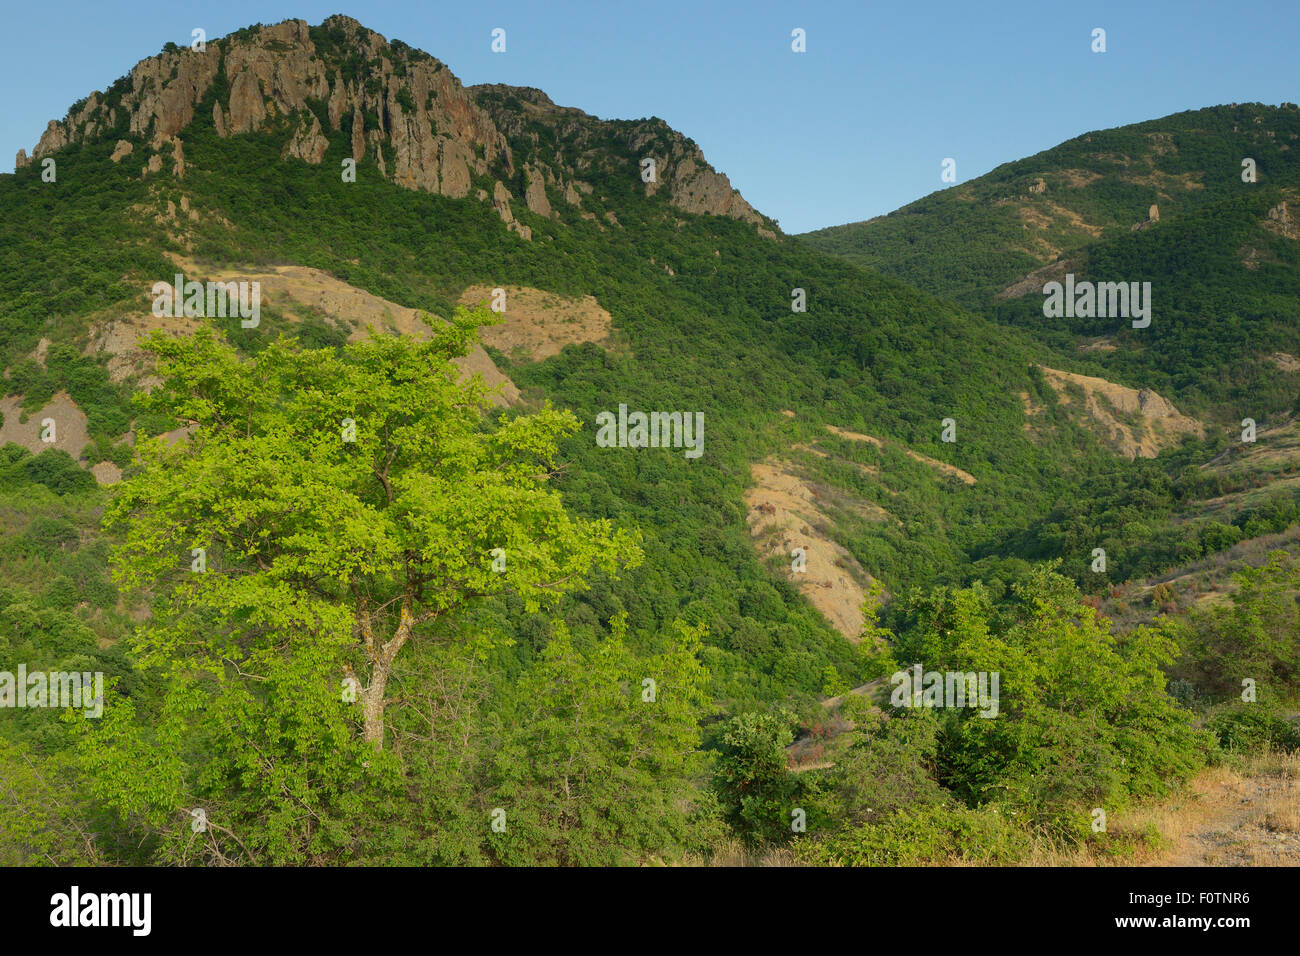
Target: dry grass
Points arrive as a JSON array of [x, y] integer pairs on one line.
[[735, 853], [1245, 813]]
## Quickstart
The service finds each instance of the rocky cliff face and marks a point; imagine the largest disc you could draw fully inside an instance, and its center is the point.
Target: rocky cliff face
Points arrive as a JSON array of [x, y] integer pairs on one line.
[[400, 110], [581, 145]]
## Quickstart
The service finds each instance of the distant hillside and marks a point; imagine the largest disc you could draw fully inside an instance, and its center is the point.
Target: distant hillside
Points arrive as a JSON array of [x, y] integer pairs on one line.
[[671, 294], [970, 241], [1161, 202], [664, 295]]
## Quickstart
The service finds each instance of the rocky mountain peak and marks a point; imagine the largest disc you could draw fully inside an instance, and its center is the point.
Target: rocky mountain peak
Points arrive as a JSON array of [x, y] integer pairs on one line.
[[398, 109]]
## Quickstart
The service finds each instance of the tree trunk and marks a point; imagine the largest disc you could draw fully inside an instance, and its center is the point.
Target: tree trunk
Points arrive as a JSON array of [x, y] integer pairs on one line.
[[372, 705], [372, 697]]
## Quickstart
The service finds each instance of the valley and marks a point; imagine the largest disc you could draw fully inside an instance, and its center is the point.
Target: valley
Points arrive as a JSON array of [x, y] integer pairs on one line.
[[465, 548]]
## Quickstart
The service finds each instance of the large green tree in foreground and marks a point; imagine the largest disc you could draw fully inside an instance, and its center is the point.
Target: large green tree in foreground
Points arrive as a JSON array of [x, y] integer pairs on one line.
[[336, 504], [325, 511]]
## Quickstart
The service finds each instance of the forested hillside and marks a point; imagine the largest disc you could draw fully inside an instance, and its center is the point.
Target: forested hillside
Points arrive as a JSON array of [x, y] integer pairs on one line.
[[354, 674], [1221, 253]]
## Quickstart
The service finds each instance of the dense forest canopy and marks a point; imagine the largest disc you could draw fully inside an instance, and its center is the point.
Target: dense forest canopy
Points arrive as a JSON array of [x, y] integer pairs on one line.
[[349, 610]]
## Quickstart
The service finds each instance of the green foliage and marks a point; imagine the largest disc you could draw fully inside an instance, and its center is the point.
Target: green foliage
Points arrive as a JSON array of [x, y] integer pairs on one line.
[[891, 768], [933, 834], [1252, 728], [45, 815], [57, 470], [1255, 635], [1083, 717], [593, 772], [327, 553], [756, 789]]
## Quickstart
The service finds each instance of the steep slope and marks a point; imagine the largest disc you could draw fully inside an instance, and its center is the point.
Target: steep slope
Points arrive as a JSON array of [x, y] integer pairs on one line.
[[400, 109], [971, 240], [236, 168], [1165, 202], [1225, 283]]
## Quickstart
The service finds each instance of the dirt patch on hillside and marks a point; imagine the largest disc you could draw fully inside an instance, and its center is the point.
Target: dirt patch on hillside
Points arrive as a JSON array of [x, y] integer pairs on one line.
[[1283, 220], [106, 473], [1138, 423], [1031, 216], [1073, 219], [120, 338], [1168, 183], [855, 436], [786, 512], [69, 425], [1031, 408], [1099, 345], [941, 466], [870, 470], [537, 324], [1078, 178], [299, 287], [1236, 818], [1043, 215], [1034, 281]]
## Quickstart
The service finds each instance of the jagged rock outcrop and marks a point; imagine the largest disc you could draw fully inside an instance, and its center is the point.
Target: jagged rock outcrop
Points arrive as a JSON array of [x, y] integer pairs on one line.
[[247, 107], [308, 143], [397, 108], [501, 203], [695, 187], [178, 157], [535, 194], [681, 172], [358, 135], [1280, 221], [54, 138], [165, 90]]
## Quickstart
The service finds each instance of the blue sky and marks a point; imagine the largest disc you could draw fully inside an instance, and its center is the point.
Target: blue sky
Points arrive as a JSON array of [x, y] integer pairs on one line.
[[856, 126]]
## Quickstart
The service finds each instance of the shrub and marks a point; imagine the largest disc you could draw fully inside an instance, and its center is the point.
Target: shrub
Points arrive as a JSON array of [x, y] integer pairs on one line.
[[58, 471], [925, 835], [755, 787], [1250, 728]]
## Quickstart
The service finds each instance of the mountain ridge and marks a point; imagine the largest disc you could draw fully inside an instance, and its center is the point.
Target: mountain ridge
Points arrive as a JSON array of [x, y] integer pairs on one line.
[[403, 112], [1046, 207]]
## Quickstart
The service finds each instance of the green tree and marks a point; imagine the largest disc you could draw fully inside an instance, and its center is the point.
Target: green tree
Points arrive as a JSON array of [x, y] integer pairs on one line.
[[1256, 634], [327, 509], [354, 497], [601, 760], [754, 783], [1083, 716]]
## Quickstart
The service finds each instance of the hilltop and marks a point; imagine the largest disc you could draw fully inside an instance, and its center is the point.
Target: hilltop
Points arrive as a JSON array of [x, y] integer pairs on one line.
[[1201, 204]]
